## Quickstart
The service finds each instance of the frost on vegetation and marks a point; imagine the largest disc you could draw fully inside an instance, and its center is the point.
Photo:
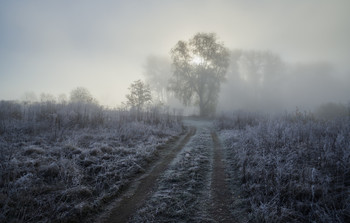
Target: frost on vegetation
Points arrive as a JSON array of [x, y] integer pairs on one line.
[[182, 190], [62, 163], [292, 168]]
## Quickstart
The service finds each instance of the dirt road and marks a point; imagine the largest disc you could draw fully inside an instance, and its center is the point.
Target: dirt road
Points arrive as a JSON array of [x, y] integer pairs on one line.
[[188, 177]]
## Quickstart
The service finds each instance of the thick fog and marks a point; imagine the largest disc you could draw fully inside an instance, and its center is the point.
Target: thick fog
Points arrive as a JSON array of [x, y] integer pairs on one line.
[[284, 54], [261, 80]]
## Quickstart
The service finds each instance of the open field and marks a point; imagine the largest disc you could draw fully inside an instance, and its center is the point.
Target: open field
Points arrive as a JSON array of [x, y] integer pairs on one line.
[[66, 168], [83, 163], [293, 168]]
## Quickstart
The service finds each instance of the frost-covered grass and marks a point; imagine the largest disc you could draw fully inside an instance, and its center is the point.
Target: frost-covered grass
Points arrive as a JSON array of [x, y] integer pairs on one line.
[[291, 169], [66, 170], [182, 192]]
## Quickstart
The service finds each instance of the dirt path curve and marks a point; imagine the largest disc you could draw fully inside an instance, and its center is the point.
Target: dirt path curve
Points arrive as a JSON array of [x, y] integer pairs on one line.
[[219, 190], [139, 190]]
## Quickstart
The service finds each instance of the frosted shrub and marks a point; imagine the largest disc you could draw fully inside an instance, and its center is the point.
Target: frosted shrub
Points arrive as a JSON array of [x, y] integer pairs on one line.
[[294, 169]]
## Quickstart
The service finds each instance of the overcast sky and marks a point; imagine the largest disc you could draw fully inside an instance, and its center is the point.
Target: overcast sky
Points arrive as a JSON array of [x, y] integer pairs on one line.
[[55, 46]]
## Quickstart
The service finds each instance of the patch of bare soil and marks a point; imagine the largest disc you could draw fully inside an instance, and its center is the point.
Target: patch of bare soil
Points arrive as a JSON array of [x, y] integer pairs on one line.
[[221, 196], [136, 194]]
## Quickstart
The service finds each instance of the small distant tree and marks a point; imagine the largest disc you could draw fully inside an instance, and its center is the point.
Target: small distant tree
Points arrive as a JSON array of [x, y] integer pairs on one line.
[[200, 67], [86, 109], [81, 95], [140, 94]]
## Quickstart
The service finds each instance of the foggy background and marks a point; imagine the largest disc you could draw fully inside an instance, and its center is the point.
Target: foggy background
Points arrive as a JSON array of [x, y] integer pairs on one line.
[[283, 54]]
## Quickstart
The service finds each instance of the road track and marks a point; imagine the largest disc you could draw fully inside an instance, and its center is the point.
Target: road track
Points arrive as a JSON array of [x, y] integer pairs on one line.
[[139, 190], [143, 187]]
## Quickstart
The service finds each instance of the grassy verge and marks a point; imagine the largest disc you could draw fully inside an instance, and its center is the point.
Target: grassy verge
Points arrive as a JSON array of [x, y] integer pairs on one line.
[[291, 169], [66, 180]]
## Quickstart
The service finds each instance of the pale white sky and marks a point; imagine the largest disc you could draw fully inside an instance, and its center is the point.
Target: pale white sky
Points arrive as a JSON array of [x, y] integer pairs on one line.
[[55, 46]]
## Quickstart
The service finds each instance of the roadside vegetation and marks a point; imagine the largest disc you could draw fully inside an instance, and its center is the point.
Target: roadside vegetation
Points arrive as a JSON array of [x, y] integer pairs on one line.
[[62, 162], [291, 168]]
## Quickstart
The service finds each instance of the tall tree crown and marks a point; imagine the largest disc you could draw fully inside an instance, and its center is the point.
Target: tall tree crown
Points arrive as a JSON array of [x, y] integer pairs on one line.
[[200, 67]]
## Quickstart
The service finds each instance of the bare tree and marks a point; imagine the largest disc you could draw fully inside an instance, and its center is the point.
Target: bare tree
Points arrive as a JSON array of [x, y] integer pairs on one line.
[[200, 67], [140, 94]]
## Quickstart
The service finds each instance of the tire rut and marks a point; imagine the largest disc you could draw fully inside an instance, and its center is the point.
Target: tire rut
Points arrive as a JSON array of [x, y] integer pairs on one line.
[[142, 188], [219, 189]]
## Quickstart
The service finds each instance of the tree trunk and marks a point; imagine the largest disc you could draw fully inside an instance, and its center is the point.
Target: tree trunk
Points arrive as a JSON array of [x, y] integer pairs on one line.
[[203, 111], [201, 107]]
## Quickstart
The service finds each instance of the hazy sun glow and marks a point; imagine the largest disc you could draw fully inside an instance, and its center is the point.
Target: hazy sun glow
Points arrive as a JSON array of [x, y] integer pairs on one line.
[[197, 60]]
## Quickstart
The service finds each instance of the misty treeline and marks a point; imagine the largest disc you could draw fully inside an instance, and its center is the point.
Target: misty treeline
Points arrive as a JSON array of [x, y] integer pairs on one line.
[[290, 168], [262, 81], [82, 110]]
